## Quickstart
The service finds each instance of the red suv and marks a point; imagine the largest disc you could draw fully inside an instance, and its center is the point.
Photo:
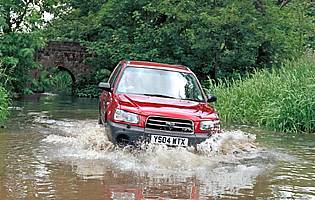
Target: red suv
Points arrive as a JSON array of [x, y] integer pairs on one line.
[[156, 103]]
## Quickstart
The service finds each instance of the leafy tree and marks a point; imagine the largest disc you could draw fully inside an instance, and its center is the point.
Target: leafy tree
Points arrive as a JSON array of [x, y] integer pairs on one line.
[[221, 38], [17, 55], [21, 22]]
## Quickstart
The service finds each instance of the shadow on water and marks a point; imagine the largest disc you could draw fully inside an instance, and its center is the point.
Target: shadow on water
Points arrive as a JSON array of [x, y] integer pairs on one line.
[[54, 148]]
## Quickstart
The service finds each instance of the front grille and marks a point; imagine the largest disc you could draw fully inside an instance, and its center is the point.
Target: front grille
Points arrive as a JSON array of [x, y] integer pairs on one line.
[[170, 124]]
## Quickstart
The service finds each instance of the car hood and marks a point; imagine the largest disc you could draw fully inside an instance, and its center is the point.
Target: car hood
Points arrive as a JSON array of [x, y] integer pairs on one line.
[[166, 107]]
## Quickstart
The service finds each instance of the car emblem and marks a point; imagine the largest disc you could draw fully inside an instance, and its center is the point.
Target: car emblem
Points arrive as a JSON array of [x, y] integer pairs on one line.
[[170, 125]]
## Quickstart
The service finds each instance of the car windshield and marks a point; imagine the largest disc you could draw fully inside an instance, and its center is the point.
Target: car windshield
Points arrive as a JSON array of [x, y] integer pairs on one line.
[[160, 83]]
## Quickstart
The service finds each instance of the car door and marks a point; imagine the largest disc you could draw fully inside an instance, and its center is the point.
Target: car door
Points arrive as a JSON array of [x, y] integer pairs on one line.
[[106, 96]]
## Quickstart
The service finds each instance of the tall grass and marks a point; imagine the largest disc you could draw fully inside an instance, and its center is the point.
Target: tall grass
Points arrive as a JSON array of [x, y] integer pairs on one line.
[[3, 96], [282, 99], [60, 82], [3, 104]]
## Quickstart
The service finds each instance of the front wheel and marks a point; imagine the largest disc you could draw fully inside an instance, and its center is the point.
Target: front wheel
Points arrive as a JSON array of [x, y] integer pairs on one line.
[[100, 120], [101, 117]]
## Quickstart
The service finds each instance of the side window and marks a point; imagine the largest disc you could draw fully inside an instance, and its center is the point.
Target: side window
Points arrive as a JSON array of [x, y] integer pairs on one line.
[[114, 74]]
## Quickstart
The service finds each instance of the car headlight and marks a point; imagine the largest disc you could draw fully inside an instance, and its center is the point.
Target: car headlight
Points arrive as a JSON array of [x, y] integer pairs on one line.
[[121, 115], [206, 125], [214, 115]]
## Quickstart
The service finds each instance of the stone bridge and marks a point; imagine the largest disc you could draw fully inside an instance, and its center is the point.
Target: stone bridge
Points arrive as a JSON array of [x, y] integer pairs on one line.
[[67, 56]]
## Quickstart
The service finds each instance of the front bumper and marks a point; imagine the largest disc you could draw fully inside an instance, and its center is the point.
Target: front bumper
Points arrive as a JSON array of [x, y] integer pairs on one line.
[[137, 134]]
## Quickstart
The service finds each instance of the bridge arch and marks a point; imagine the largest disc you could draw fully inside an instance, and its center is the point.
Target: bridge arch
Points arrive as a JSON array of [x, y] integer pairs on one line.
[[73, 78], [66, 56]]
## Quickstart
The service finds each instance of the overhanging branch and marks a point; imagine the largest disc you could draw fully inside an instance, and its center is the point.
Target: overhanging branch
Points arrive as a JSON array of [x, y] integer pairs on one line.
[[18, 21], [283, 3]]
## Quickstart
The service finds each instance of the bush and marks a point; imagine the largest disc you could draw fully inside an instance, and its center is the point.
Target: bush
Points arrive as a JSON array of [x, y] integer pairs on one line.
[[281, 99], [3, 104], [225, 38], [17, 52]]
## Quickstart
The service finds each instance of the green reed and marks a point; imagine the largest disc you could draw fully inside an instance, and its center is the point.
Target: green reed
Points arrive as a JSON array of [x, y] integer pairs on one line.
[[281, 99], [3, 104]]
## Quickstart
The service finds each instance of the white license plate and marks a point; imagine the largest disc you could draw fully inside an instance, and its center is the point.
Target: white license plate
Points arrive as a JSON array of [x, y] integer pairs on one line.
[[176, 141]]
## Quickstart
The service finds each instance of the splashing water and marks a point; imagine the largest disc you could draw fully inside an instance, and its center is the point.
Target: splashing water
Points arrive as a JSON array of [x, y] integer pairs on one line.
[[229, 142], [218, 163], [82, 139], [80, 135]]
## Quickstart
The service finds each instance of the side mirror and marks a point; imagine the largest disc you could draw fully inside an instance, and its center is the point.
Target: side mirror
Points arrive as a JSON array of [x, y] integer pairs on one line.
[[104, 86], [211, 98]]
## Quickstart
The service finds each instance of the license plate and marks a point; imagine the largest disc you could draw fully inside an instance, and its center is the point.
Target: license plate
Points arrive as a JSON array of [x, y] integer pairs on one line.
[[176, 141]]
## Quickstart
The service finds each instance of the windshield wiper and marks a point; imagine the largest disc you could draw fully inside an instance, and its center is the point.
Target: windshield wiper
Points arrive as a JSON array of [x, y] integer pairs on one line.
[[191, 99], [159, 95]]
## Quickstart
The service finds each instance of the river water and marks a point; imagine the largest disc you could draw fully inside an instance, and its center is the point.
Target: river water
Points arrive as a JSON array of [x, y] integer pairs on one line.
[[53, 148]]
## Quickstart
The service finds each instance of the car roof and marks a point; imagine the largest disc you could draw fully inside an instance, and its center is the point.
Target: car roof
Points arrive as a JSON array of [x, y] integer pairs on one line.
[[146, 64]]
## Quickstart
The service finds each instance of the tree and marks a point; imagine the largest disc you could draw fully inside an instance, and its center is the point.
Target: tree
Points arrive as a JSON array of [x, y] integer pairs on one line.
[[220, 39], [21, 22]]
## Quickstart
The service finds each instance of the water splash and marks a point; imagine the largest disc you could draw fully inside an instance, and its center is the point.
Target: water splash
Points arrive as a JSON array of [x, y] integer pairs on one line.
[[218, 164], [228, 142], [81, 135], [90, 137]]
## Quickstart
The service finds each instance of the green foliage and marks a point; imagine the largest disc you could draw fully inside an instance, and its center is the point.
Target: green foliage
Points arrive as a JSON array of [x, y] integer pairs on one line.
[[3, 102], [20, 36], [282, 99], [61, 82], [88, 87], [88, 91], [17, 57], [220, 39], [217, 38], [54, 80]]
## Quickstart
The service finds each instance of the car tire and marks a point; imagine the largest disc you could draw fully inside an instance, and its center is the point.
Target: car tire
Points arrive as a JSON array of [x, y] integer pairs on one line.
[[100, 120]]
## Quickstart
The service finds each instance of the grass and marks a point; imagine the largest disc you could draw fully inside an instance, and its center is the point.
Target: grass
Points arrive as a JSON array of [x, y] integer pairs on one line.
[[281, 99], [3, 104], [4, 97]]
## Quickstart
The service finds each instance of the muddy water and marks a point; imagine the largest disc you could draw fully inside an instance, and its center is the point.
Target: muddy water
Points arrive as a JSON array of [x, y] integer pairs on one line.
[[53, 148]]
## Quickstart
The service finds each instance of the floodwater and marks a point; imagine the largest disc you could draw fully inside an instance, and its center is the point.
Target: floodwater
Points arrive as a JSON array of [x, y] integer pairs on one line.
[[53, 148]]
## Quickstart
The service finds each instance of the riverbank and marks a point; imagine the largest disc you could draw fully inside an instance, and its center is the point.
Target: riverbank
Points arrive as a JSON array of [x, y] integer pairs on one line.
[[280, 99], [3, 105]]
